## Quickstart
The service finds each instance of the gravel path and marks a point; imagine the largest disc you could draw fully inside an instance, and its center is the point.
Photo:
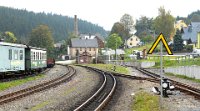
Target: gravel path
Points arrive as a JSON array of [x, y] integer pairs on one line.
[[57, 71], [179, 101], [124, 99], [126, 88], [62, 97]]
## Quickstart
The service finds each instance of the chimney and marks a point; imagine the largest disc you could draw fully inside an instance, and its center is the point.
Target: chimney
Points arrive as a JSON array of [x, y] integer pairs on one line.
[[75, 26]]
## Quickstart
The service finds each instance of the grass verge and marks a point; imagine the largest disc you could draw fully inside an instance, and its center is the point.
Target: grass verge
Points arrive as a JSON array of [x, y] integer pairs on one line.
[[183, 77], [6, 85], [109, 67], [145, 102]]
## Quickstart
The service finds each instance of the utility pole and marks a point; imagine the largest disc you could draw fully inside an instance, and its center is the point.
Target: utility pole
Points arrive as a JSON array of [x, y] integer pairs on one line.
[[115, 52], [154, 35], [161, 74], [96, 56]]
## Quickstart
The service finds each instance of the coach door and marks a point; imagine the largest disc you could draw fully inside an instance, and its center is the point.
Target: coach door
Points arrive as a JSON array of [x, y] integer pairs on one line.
[[27, 58]]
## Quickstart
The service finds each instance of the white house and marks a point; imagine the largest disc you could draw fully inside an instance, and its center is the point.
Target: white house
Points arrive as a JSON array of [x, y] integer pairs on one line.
[[133, 41]]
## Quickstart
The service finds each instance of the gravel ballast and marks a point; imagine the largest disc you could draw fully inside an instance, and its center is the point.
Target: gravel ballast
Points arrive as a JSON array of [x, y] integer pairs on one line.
[[55, 72], [62, 97], [123, 99]]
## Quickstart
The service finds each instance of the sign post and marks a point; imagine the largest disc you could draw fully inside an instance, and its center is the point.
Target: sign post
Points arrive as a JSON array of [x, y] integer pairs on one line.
[[164, 42], [161, 74]]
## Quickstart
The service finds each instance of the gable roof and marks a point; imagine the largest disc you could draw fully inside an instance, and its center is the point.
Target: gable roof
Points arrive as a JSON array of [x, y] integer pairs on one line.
[[77, 42], [191, 31], [133, 36]]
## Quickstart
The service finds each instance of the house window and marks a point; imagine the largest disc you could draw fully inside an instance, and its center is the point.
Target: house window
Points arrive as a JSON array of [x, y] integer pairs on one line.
[[130, 43], [10, 54], [131, 39], [89, 49], [94, 49], [136, 39]]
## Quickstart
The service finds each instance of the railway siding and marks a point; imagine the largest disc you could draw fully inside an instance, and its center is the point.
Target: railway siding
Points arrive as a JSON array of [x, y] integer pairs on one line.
[[53, 73], [62, 97]]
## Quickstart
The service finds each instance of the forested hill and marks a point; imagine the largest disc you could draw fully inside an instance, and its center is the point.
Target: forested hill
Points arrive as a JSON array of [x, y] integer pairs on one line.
[[21, 22]]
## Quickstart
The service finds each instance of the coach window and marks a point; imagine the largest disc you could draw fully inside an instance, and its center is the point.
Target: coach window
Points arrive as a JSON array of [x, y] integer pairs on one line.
[[10, 54], [21, 54], [16, 54], [33, 55], [36, 55], [40, 56]]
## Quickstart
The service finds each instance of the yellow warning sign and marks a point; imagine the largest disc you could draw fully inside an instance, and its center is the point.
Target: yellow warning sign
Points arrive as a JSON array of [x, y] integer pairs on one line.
[[160, 38]]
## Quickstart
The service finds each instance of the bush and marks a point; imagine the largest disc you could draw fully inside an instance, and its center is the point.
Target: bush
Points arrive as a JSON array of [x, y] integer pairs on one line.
[[188, 48]]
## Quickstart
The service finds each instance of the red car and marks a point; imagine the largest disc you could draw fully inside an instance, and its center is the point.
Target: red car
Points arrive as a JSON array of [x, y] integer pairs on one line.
[[50, 62]]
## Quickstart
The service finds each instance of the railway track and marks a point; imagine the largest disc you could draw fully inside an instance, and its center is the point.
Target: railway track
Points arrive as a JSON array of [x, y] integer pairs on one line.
[[102, 96], [27, 91], [178, 85]]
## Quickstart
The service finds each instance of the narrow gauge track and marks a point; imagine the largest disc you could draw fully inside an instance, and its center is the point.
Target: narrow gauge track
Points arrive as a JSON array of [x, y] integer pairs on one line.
[[11, 77], [27, 91], [99, 99], [178, 85]]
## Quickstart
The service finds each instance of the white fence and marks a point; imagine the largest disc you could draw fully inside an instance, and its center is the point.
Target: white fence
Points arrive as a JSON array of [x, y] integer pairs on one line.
[[190, 71]]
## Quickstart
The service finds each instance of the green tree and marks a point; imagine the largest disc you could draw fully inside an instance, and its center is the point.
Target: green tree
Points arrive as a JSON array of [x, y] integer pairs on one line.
[[144, 26], [164, 23], [41, 36], [178, 42], [119, 28], [195, 18], [147, 39], [128, 23], [114, 41], [8, 37]]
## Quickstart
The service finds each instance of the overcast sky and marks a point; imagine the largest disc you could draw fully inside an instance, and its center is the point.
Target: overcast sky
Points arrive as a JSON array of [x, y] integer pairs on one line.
[[105, 12]]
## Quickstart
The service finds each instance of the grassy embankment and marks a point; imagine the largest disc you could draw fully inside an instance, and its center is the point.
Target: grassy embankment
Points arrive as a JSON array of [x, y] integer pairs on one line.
[[173, 63], [6, 85], [109, 67], [168, 61], [144, 101]]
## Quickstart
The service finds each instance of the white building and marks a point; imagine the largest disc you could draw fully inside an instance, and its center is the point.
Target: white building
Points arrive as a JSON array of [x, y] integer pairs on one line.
[[133, 41]]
